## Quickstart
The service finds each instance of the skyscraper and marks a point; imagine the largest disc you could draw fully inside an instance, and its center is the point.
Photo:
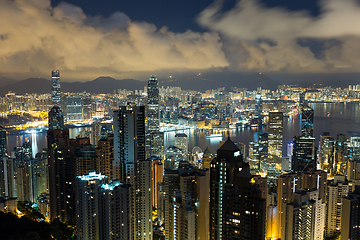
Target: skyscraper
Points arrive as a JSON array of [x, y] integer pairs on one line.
[[275, 140], [56, 118], [130, 166], [55, 88], [237, 209], [326, 153], [102, 208], [304, 155], [307, 121], [181, 141], [153, 113]]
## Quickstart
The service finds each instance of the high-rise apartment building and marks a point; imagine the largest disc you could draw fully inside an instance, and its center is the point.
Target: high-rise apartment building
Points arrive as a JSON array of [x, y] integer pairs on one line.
[[336, 191], [303, 217], [3, 142], [105, 157], [102, 208], [55, 88], [350, 217], [130, 166], [186, 200], [291, 183]]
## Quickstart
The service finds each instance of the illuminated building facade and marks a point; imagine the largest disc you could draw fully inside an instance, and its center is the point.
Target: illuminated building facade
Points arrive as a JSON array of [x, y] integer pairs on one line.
[[307, 121], [336, 191], [223, 169], [55, 88], [303, 218], [275, 140], [326, 153], [157, 144], [152, 107], [341, 156], [56, 118], [186, 193], [181, 141], [157, 177], [304, 155]]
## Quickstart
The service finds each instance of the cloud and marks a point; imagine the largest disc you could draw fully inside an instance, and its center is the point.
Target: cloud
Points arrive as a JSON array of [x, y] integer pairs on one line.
[[36, 38], [257, 37]]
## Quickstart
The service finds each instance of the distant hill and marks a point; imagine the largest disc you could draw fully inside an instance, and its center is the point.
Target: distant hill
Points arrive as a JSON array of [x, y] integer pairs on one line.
[[217, 80], [6, 81], [99, 85]]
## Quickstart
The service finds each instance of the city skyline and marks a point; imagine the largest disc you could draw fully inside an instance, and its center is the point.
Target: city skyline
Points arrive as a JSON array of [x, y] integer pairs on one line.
[[281, 39]]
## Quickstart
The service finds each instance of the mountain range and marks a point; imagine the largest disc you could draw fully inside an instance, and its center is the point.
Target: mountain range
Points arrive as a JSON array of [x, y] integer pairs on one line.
[[201, 82]]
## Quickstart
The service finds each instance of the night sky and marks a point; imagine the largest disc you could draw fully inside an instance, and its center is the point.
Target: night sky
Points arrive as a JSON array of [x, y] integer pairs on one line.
[[131, 39]]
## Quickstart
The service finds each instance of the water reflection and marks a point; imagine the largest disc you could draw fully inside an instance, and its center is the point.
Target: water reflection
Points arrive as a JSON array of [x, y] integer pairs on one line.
[[342, 118]]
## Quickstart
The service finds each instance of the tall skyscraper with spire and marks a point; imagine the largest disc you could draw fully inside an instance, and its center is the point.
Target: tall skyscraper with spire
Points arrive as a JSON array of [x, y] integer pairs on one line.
[[153, 113], [55, 88]]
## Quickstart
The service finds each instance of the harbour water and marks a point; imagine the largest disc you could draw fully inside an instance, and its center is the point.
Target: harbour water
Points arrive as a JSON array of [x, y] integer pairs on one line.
[[329, 117]]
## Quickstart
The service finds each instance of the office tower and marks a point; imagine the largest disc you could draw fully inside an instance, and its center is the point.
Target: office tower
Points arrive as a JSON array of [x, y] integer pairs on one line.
[[350, 217], [258, 109], [290, 150], [307, 121], [341, 157], [326, 153], [275, 139], [220, 102], [263, 141], [152, 107], [234, 213], [87, 205], [157, 177], [186, 200], [304, 157], [181, 141], [3, 142], [173, 156], [336, 190], [254, 157], [73, 108], [354, 149], [157, 144], [291, 183], [105, 156], [143, 201], [55, 88], [303, 217], [56, 118], [207, 158]]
